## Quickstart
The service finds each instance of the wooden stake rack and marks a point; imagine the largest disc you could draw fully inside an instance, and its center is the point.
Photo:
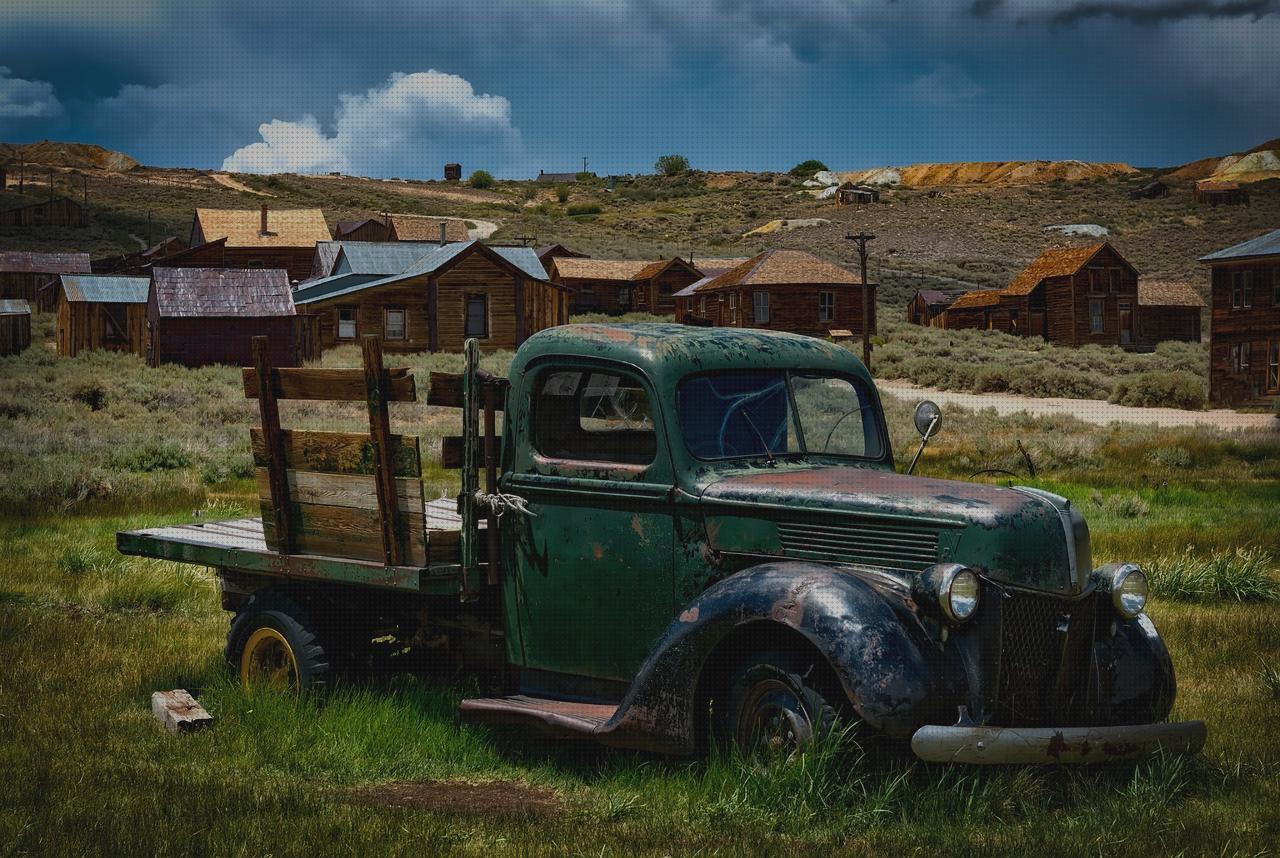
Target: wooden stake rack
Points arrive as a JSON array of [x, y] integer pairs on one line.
[[339, 494]]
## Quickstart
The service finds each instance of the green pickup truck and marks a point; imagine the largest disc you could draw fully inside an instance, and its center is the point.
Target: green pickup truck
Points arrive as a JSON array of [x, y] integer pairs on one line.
[[681, 535]]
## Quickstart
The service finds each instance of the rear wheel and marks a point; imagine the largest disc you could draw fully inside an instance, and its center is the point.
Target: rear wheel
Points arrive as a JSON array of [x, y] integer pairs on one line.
[[773, 708], [274, 644]]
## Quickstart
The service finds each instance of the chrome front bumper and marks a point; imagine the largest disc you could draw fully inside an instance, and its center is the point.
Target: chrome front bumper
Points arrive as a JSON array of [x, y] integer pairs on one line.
[[1032, 745]]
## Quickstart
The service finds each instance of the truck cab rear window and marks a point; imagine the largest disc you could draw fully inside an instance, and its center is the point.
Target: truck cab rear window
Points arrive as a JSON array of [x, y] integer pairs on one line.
[[593, 416]]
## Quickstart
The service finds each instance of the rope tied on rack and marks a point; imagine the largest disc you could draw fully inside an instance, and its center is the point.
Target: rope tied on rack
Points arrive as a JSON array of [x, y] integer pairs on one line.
[[500, 503]]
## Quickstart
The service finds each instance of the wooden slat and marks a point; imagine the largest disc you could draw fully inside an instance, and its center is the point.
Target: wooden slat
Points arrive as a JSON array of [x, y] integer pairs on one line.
[[380, 433], [339, 452], [356, 534], [445, 389], [337, 385], [355, 491], [273, 450], [451, 451]]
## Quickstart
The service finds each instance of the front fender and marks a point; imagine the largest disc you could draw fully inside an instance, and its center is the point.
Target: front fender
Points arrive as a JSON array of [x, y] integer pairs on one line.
[[1136, 674], [895, 676]]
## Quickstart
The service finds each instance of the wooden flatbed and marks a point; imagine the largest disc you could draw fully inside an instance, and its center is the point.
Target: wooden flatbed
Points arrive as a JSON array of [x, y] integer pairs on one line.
[[240, 545]]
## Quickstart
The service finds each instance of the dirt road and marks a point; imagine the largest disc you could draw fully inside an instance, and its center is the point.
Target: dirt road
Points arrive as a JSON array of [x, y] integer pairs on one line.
[[1089, 410], [236, 185]]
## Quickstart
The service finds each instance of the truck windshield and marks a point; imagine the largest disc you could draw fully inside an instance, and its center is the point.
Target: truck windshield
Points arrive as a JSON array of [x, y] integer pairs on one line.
[[753, 413]]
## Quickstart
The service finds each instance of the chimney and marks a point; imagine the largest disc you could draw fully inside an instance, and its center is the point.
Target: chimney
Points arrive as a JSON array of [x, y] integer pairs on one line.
[[444, 228], [263, 229]]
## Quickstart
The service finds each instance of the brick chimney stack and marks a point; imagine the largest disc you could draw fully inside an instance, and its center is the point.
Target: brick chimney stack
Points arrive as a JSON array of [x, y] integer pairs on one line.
[[444, 229], [263, 229]]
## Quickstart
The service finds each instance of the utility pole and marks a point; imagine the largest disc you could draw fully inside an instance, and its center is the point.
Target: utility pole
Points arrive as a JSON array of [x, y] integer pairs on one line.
[[584, 163], [862, 238]]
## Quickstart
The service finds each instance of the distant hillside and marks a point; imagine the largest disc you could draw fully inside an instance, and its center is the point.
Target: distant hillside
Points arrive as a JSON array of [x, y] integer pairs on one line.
[[1258, 164], [987, 173], [80, 156]]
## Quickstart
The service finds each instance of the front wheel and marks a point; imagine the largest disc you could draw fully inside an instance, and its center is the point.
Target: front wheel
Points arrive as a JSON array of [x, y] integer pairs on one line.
[[273, 644], [773, 710]]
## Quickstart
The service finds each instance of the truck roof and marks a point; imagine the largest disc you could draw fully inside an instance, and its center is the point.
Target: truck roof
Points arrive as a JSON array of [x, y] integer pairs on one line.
[[667, 352]]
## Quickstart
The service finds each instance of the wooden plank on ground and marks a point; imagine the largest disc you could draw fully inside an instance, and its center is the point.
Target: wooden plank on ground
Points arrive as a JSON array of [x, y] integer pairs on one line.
[[339, 452], [179, 712], [445, 389], [358, 491], [338, 385], [355, 534]]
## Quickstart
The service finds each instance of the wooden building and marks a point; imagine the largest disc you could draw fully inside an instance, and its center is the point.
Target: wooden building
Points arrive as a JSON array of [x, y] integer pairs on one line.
[[15, 326], [617, 286], [850, 194], [1168, 311], [274, 239], [548, 252], [1244, 321], [1150, 191], [785, 290], [928, 305], [441, 230], [685, 300], [1221, 193], [55, 211], [453, 172], [103, 312], [201, 316], [22, 274], [369, 229], [1071, 296], [499, 295]]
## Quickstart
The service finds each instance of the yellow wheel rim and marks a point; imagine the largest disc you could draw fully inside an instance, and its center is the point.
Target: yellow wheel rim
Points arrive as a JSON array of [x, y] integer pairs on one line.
[[268, 661]]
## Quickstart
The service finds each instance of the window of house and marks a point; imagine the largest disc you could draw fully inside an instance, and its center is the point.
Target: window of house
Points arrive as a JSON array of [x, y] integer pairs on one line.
[[587, 289], [593, 416], [702, 305], [1240, 357], [1241, 289], [733, 308], [1095, 316], [478, 316], [1095, 280], [254, 263], [1275, 287], [393, 324], [826, 306], [624, 296], [346, 323], [761, 303], [1273, 367]]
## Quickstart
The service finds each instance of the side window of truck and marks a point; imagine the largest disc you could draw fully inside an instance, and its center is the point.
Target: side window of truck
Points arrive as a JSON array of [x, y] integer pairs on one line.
[[593, 415]]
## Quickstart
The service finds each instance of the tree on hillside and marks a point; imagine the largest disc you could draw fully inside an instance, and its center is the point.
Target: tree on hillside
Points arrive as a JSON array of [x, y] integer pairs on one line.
[[481, 179], [671, 165], [806, 169]]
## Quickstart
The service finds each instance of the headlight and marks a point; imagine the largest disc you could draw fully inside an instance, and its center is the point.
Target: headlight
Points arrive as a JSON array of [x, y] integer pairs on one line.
[[959, 596], [1127, 585]]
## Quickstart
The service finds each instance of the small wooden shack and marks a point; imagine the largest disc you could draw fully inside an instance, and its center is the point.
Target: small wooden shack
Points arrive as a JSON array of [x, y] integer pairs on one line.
[[548, 252], [102, 312], [928, 305], [55, 211], [1150, 191], [369, 229], [436, 300], [617, 286], [22, 274], [201, 316], [15, 326], [276, 238], [453, 172], [1168, 310], [1244, 321], [969, 310], [850, 194], [785, 290], [1221, 193]]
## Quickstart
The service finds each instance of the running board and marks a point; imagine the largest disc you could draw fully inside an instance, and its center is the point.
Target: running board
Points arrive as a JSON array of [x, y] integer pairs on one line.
[[560, 716]]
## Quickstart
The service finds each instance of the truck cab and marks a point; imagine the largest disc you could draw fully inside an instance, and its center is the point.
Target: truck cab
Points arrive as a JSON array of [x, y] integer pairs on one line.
[[698, 534]]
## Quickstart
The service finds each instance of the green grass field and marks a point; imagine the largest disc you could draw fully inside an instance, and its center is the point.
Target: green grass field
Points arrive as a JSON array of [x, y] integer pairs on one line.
[[100, 443]]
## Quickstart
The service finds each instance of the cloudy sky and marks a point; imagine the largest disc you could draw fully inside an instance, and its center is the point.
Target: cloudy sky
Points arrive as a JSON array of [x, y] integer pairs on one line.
[[397, 87]]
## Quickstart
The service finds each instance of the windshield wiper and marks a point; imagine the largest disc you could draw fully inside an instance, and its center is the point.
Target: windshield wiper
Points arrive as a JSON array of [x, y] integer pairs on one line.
[[767, 452]]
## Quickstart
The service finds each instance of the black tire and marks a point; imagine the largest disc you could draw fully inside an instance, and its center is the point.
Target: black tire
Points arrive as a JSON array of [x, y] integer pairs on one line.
[[774, 707], [254, 649]]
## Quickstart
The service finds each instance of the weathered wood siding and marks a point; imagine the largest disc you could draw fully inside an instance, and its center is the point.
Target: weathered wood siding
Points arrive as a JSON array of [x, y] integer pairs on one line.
[[478, 275], [793, 308], [1159, 324], [90, 326], [602, 296], [61, 211], [655, 295], [296, 260], [1254, 328], [15, 332], [204, 341], [29, 286]]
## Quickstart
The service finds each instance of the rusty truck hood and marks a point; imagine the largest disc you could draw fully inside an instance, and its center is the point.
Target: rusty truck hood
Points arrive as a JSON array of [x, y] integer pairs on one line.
[[902, 523]]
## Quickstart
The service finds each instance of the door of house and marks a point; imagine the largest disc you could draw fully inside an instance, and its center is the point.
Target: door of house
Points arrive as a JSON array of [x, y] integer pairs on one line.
[[1126, 323], [1035, 323]]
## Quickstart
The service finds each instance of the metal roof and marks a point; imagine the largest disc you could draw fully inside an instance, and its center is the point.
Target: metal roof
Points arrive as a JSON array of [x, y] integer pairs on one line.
[[1263, 245], [105, 290], [433, 260], [381, 257], [23, 262], [223, 292], [14, 307]]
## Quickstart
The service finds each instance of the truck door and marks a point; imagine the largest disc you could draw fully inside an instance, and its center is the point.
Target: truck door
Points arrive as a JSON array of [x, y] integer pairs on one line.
[[591, 585]]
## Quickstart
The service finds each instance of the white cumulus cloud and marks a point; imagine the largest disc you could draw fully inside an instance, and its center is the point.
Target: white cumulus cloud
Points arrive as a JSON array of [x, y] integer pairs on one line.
[[407, 126], [27, 99]]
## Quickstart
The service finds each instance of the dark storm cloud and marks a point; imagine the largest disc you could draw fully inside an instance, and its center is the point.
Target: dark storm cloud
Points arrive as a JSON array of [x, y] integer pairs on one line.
[[984, 8], [1163, 12]]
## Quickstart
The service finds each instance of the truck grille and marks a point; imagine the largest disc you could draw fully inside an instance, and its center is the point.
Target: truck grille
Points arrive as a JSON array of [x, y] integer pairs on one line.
[[866, 543], [1045, 647]]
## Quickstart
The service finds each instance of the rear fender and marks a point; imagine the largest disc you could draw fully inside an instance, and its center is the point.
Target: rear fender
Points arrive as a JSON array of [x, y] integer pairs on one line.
[[894, 675]]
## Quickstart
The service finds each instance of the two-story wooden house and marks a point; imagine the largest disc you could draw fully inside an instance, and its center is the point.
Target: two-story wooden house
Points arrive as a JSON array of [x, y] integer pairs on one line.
[[276, 238], [1244, 321]]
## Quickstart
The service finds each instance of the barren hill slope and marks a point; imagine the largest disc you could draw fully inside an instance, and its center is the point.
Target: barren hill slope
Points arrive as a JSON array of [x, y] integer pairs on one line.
[[1258, 164], [988, 173], [51, 153]]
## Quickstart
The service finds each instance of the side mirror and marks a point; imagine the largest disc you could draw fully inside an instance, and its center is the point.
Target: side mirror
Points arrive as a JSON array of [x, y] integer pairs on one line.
[[928, 419]]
